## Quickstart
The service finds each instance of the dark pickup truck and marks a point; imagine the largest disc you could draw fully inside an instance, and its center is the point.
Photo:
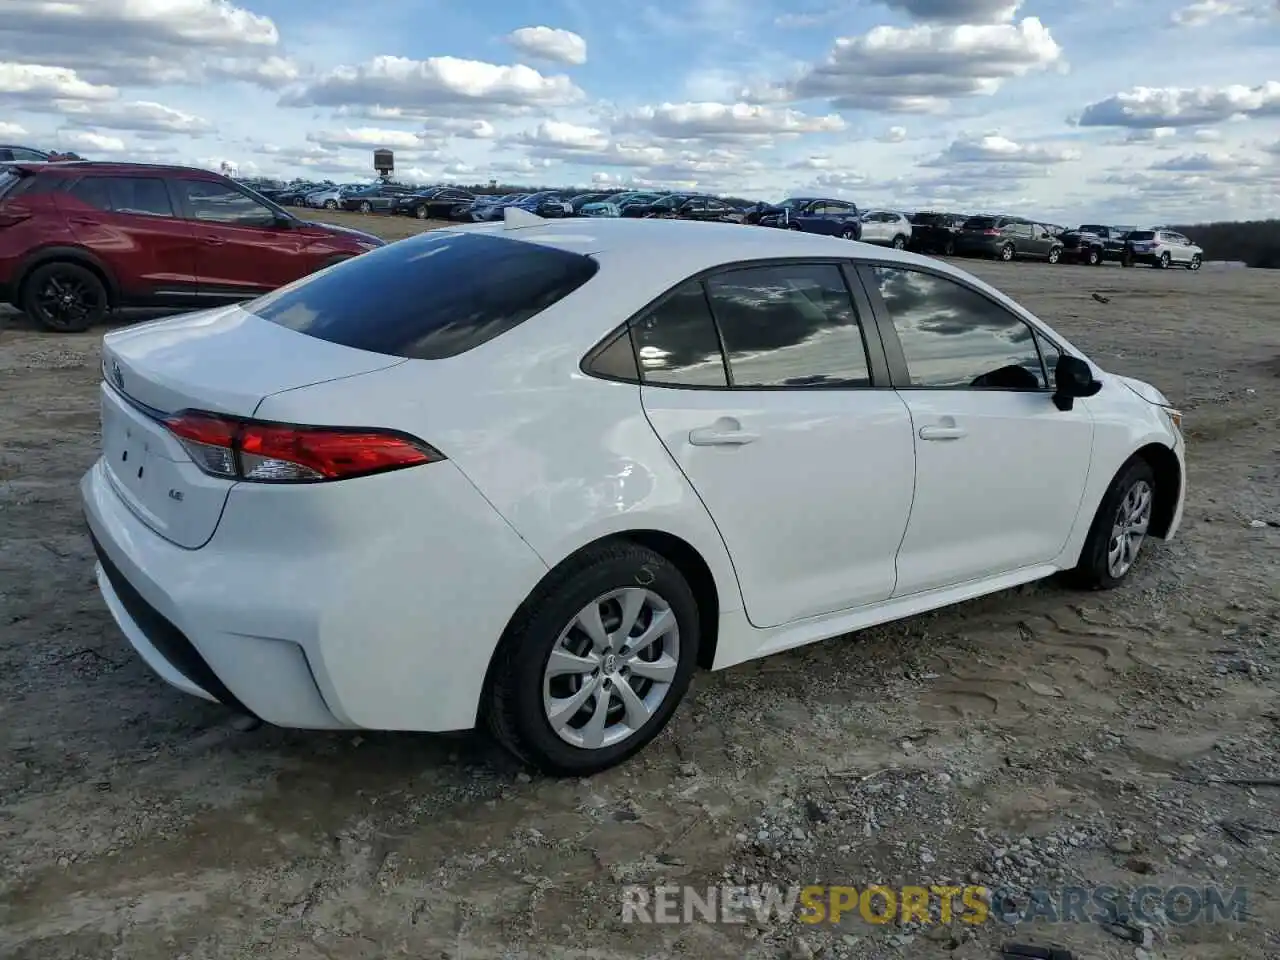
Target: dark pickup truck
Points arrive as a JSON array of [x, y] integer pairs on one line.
[[1094, 244]]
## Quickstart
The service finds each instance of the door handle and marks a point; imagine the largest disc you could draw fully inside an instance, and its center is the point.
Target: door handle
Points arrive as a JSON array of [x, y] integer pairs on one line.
[[716, 437], [942, 433], [84, 222], [214, 241]]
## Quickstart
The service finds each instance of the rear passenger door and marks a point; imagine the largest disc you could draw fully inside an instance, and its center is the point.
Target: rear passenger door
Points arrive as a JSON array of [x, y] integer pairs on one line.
[[773, 399], [134, 226]]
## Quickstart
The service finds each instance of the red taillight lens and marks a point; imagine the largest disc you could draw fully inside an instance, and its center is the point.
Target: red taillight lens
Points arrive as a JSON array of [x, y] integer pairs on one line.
[[992, 233], [288, 453]]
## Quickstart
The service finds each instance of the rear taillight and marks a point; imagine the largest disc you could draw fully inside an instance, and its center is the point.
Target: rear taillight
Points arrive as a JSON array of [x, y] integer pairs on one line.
[[991, 233], [288, 453]]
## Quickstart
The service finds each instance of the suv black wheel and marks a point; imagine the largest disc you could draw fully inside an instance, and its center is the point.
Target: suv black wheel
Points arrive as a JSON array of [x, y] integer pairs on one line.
[[949, 248], [595, 662], [848, 233], [899, 242], [1094, 258], [65, 297], [420, 211], [1006, 252]]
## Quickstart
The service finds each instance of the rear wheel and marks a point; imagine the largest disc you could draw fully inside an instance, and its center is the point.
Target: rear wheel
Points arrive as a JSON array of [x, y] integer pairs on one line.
[[595, 662], [1094, 258], [1119, 528], [65, 297], [1006, 252], [1055, 254], [1164, 261], [331, 204], [366, 206], [793, 226], [1195, 263], [848, 233], [899, 242], [420, 212], [949, 248]]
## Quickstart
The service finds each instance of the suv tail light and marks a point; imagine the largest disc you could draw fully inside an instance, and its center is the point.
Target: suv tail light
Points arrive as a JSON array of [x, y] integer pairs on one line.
[[991, 233], [263, 452]]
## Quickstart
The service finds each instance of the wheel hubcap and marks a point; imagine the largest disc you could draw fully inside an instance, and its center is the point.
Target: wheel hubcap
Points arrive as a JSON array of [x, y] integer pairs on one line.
[[64, 300], [1129, 529], [611, 668]]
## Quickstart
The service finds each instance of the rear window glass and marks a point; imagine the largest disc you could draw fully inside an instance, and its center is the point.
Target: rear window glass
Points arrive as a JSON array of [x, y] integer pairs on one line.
[[929, 219], [435, 295], [980, 223], [1142, 235], [1092, 228]]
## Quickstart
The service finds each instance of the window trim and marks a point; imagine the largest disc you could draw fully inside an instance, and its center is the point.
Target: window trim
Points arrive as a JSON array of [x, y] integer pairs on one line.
[[878, 364], [69, 185], [900, 373]]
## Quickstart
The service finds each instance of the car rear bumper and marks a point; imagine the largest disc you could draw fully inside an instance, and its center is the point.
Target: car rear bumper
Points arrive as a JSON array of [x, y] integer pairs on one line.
[[322, 608]]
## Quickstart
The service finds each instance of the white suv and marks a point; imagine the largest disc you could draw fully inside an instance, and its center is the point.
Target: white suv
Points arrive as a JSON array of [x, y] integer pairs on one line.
[[887, 228], [1164, 249]]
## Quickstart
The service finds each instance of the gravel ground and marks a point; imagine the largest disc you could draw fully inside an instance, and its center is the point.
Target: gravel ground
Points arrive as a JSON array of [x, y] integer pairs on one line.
[[1037, 738]]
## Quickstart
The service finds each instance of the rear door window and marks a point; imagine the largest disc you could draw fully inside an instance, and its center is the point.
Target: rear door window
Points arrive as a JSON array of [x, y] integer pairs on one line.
[[433, 296]]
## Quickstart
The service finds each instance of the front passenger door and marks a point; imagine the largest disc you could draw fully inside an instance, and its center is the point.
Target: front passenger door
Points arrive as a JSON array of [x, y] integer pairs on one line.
[[1000, 470], [788, 434], [240, 252]]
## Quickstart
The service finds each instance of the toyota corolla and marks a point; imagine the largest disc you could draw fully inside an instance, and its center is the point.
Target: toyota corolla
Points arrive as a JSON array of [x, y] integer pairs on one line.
[[531, 475]]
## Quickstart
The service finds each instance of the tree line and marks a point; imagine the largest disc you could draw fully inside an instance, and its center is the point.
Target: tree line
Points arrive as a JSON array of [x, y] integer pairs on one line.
[[1254, 242]]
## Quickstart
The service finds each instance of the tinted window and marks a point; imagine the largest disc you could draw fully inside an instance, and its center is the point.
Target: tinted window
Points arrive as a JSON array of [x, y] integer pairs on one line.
[[955, 337], [980, 223], [435, 295], [1141, 235], [676, 342], [217, 202], [789, 326], [141, 196], [8, 179]]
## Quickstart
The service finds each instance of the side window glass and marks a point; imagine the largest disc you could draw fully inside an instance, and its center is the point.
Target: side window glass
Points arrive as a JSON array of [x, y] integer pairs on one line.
[[215, 202], [954, 337], [1051, 353], [676, 342], [140, 196], [791, 325], [93, 192]]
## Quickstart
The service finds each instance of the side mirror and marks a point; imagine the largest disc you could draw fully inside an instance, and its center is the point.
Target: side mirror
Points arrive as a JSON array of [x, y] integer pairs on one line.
[[284, 223], [1072, 378]]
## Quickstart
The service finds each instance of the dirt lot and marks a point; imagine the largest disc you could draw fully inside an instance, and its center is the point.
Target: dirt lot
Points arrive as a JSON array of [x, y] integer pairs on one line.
[[1036, 738]]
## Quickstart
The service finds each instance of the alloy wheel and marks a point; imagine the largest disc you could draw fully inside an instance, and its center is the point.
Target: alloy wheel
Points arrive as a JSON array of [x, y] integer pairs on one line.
[[1006, 253], [65, 301], [1129, 528], [611, 668]]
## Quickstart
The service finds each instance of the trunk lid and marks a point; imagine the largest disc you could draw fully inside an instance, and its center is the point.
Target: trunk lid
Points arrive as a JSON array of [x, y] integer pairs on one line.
[[221, 361]]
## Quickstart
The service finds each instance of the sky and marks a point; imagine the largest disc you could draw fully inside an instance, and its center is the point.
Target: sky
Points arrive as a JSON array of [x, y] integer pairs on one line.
[[1130, 111]]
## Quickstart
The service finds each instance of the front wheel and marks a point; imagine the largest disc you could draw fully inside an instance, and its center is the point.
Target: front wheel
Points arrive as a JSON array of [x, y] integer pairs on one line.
[[1094, 258], [1055, 255], [331, 204], [1006, 253], [949, 248], [366, 206], [420, 212], [595, 663], [848, 233], [1119, 528], [1195, 263], [64, 297], [899, 242]]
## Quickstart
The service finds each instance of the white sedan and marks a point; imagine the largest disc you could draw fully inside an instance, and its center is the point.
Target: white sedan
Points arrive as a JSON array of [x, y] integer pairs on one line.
[[532, 474]]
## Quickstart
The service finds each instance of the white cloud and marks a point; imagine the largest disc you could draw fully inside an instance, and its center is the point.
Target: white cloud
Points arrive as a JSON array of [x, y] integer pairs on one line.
[[994, 148], [428, 86], [547, 43], [922, 67], [37, 84], [1147, 107], [725, 122], [90, 142], [1206, 11], [366, 138], [140, 116], [11, 131], [894, 135]]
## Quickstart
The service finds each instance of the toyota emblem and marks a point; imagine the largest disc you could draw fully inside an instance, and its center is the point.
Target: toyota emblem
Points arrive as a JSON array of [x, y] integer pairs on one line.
[[117, 375]]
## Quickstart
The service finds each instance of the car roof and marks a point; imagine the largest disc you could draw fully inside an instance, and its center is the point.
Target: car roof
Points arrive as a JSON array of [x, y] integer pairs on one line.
[[105, 166], [688, 245]]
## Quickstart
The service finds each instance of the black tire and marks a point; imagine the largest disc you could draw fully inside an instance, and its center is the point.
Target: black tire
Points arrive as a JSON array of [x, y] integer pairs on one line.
[[793, 226], [1007, 253], [1164, 261], [331, 204], [1055, 254], [1195, 263], [1094, 259], [513, 702], [420, 212], [848, 233], [949, 248], [366, 206], [1093, 571], [899, 242], [45, 297]]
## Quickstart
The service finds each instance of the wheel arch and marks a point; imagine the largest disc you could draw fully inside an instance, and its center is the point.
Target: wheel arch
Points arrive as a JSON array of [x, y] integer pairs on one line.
[[679, 552], [1168, 474], [63, 254]]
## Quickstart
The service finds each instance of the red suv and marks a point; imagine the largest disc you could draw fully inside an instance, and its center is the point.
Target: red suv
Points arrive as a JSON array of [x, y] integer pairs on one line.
[[78, 239]]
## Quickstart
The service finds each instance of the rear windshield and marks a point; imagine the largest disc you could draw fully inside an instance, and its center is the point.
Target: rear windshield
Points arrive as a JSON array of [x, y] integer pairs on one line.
[[1142, 235], [931, 219], [436, 295], [980, 223], [1092, 228]]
